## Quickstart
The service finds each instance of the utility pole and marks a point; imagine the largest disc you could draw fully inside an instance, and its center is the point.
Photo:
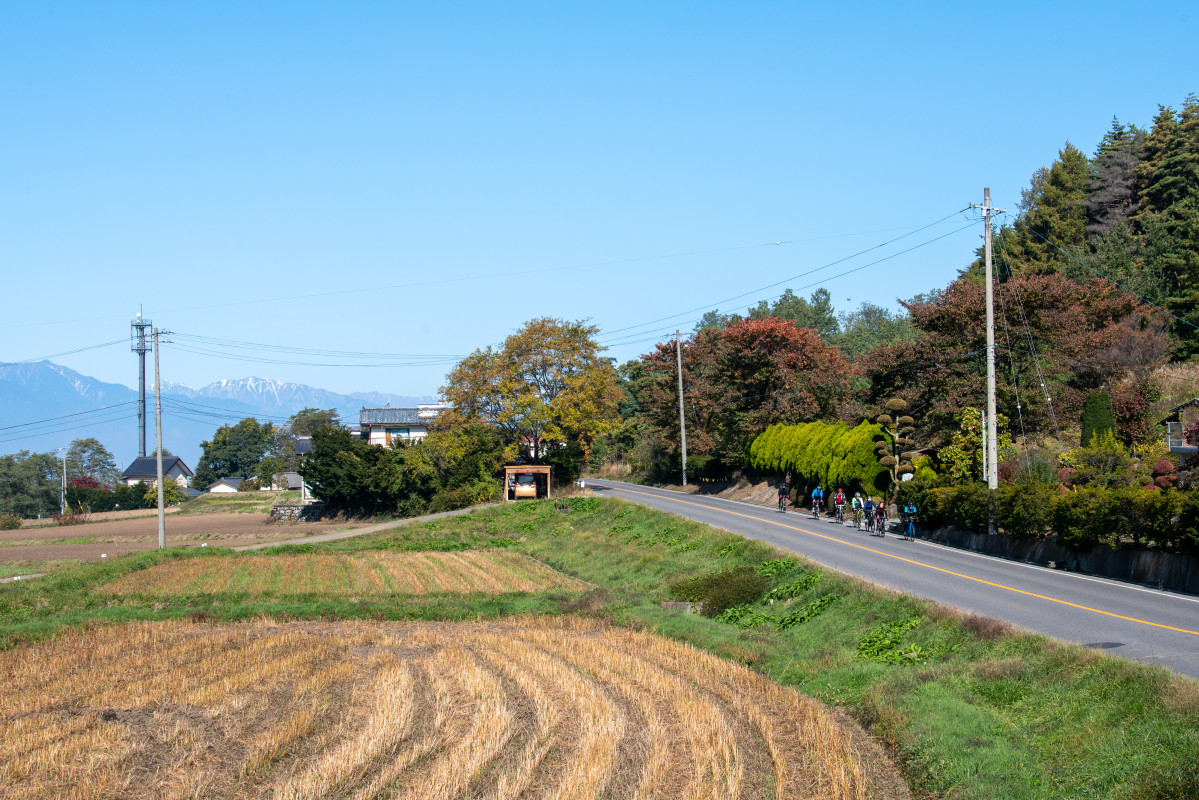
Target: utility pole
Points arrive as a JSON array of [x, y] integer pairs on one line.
[[983, 419], [992, 447], [162, 518], [139, 344], [678, 349], [62, 492]]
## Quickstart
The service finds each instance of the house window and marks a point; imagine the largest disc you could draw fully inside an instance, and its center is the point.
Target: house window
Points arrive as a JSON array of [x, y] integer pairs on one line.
[[398, 433]]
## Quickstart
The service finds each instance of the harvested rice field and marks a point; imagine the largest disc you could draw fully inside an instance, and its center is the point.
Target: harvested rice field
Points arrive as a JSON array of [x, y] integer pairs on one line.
[[293, 711], [465, 572]]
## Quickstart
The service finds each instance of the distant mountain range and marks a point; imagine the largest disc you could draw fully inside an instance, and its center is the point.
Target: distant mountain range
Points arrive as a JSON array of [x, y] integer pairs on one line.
[[64, 405]]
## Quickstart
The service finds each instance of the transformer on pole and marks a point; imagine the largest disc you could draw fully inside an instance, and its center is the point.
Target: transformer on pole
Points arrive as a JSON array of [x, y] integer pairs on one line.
[[140, 344]]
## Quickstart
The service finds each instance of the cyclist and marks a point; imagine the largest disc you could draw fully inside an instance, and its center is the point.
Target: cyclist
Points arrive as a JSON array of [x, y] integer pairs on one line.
[[856, 506], [817, 500], [839, 502], [784, 495], [909, 515], [868, 509], [880, 517]]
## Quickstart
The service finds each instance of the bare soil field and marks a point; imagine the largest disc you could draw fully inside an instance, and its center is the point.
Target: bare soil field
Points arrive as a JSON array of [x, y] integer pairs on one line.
[[122, 536], [466, 572], [523, 708], [104, 516]]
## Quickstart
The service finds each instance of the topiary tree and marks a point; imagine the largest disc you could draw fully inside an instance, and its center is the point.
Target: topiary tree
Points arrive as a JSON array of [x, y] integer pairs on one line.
[[1097, 418], [895, 452]]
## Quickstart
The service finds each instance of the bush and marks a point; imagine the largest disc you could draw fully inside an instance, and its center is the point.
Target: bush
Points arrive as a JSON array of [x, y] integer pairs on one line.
[[1025, 510], [973, 507], [9, 522], [1097, 418], [1074, 517], [722, 590], [831, 455]]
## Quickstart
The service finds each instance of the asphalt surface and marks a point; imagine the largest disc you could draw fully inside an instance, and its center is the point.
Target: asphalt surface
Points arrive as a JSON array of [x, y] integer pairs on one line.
[[1135, 622]]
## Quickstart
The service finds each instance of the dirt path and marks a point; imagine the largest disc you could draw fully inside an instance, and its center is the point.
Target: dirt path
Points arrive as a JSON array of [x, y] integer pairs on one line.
[[382, 526]]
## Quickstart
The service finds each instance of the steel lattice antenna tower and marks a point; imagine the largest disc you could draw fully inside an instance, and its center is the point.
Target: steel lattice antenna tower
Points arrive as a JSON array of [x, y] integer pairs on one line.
[[140, 344]]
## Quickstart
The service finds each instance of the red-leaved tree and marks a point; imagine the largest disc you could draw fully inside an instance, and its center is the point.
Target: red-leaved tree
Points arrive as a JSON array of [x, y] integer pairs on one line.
[[741, 379], [1084, 335]]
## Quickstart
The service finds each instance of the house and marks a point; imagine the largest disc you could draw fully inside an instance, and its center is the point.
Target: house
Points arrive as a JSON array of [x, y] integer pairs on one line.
[[224, 485], [387, 426], [144, 469], [1180, 417]]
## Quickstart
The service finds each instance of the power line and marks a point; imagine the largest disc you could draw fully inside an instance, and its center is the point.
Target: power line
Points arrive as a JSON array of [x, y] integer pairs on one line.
[[69, 352], [66, 416], [1113, 281], [801, 288], [802, 274]]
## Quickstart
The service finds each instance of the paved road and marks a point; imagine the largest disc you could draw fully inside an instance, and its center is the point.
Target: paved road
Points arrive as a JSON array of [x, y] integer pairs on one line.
[[1132, 621]]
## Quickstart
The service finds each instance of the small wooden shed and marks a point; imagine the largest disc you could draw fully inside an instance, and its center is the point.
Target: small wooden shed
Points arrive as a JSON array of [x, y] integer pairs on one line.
[[541, 474]]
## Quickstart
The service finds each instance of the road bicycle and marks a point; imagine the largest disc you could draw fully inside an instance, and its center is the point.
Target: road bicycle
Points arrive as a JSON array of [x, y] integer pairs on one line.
[[870, 520], [840, 513], [815, 509], [857, 518], [783, 503], [909, 532], [880, 525]]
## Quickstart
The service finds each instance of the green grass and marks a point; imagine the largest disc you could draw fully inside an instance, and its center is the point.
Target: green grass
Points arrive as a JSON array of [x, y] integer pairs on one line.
[[969, 708], [240, 502]]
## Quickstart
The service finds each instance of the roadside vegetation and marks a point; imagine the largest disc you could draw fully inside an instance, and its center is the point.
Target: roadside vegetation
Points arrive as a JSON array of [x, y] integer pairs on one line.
[[969, 707]]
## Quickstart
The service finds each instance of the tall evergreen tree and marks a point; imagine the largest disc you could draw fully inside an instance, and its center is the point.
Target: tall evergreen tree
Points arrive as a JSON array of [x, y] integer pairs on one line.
[[817, 312], [1112, 191], [1053, 214], [1168, 184]]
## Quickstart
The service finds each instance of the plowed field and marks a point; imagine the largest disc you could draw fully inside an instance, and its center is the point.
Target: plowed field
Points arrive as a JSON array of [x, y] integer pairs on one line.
[[554, 709], [120, 537], [484, 571]]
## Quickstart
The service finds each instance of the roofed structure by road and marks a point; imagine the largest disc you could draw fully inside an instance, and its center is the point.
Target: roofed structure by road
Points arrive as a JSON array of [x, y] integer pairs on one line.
[[144, 469]]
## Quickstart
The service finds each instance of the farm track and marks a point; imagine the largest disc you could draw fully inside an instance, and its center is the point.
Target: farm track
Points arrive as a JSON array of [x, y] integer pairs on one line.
[[466, 572], [525, 708]]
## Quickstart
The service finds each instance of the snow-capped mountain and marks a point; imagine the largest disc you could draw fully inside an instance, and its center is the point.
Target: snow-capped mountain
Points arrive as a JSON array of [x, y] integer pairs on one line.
[[65, 405]]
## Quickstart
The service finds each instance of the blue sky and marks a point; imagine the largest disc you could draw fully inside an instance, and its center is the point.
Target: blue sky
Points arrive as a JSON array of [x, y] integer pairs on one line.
[[420, 179]]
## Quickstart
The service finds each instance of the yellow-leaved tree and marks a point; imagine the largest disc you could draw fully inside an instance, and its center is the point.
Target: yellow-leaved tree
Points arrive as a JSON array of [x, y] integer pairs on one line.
[[547, 385]]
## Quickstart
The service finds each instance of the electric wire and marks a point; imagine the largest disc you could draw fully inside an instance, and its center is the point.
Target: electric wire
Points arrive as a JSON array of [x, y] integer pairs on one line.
[[825, 280], [801, 275], [71, 352], [1068, 254], [66, 416], [1031, 344]]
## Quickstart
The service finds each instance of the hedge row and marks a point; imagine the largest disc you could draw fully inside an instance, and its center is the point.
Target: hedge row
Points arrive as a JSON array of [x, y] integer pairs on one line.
[[817, 452], [1079, 519]]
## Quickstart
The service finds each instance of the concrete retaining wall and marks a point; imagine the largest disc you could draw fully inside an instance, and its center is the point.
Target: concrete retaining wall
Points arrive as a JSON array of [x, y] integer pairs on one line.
[[1173, 571]]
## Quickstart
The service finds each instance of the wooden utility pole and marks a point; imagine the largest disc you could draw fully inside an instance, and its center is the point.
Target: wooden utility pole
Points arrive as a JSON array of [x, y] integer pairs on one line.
[[678, 349], [162, 517]]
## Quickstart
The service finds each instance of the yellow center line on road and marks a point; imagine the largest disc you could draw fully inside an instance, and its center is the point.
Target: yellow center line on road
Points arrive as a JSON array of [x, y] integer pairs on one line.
[[907, 560]]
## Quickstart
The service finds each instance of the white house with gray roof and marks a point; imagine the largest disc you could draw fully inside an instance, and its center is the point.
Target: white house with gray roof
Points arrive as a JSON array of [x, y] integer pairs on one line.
[[388, 426]]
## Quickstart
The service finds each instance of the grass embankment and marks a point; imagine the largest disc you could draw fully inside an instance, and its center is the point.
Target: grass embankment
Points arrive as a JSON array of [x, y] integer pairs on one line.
[[241, 502], [972, 708]]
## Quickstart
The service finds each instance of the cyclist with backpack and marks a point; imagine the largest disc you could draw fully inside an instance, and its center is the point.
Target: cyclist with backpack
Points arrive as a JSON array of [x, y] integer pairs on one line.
[[817, 500], [839, 504]]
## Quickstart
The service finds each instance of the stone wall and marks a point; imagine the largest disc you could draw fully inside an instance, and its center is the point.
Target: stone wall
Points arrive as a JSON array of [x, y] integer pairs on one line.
[[299, 513]]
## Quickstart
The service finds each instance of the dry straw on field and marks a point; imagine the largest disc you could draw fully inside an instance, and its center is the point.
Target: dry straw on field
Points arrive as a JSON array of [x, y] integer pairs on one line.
[[545, 709], [471, 571]]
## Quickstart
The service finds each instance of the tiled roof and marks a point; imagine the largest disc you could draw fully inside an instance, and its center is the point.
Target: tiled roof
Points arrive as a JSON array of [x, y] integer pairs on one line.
[[147, 466], [234, 482], [396, 416]]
